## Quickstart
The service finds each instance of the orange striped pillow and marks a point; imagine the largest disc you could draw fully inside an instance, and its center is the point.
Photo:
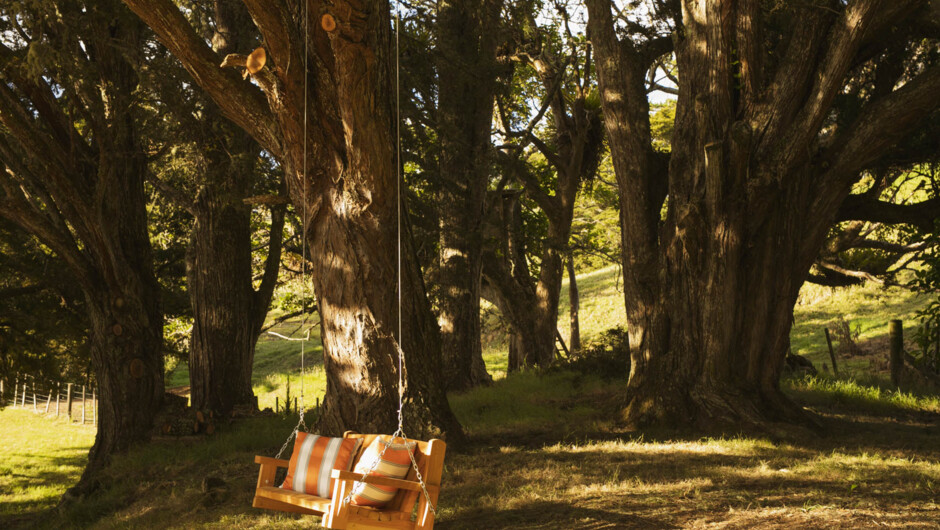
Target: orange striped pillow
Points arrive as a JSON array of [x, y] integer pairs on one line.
[[394, 463], [314, 459]]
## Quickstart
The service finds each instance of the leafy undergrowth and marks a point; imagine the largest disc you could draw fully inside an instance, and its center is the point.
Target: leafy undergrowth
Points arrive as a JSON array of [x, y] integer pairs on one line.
[[543, 457]]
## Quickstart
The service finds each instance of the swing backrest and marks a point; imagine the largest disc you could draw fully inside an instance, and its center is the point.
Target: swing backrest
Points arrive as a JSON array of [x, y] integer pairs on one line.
[[429, 457]]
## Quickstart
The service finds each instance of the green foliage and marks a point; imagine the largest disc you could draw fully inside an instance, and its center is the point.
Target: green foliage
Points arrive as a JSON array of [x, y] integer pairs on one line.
[[927, 281], [43, 331], [662, 123]]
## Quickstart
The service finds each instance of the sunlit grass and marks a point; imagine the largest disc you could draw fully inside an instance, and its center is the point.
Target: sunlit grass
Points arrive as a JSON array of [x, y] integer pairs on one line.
[[534, 463], [859, 396], [868, 308], [39, 459], [545, 450]]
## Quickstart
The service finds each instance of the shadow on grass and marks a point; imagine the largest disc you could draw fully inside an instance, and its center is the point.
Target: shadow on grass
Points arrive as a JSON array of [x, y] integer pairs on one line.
[[57, 469], [549, 514]]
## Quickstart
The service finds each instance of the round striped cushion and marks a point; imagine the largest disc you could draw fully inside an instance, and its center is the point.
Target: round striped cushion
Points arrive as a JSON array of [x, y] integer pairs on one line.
[[394, 463], [314, 459]]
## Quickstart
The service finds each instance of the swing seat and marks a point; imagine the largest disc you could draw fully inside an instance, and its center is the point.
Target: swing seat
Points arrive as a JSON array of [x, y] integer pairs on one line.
[[337, 514]]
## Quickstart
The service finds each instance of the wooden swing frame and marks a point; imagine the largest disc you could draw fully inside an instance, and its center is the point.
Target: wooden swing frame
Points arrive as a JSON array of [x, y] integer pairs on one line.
[[336, 513]]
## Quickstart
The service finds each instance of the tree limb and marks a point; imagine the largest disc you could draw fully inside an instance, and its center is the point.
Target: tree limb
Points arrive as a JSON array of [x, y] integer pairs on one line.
[[239, 100], [272, 263], [860, 208]]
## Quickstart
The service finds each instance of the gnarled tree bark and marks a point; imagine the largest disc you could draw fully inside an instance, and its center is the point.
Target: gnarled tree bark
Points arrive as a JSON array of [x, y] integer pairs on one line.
[[753, 185], [228, 312]]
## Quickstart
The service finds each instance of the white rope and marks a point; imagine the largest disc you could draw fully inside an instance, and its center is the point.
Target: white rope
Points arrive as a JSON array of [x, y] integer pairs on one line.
[[301, 424]]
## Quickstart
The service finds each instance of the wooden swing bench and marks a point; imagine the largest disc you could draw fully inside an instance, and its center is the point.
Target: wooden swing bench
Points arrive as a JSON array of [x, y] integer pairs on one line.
[[339, 514]]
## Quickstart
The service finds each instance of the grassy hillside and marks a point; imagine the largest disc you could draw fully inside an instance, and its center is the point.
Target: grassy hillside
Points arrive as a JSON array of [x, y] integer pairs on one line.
[[277, 366]]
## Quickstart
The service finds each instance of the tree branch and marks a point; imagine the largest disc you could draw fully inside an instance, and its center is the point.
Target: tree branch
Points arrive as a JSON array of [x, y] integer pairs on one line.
[[860, 20], [239, 100], [272, 263], [882, 124], [860, 208]]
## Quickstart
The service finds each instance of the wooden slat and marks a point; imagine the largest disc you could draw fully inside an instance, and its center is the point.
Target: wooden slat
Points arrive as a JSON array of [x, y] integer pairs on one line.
[[435, 469], [293, 498], [375, 479], [270, 504], [267, 460]]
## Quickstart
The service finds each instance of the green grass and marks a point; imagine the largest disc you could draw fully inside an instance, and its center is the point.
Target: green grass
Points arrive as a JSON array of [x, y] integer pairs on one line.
[[528, 402], [546, 451], [545, 455], [39, 459], [871, 396], [868, 308]]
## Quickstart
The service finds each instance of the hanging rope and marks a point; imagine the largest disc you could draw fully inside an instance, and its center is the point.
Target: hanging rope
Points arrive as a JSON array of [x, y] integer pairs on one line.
[[301, 424]]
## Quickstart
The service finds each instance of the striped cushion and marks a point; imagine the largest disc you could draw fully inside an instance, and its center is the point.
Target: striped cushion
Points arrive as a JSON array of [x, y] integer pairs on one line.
[[314, 459], [394, 463]]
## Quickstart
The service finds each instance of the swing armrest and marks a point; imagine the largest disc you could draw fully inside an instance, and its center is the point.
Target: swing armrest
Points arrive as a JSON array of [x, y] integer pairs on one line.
[[268, 461], [381, 481]]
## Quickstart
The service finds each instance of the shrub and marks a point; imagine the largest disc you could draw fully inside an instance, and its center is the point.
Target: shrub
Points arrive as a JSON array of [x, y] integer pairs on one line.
[[607, 356]]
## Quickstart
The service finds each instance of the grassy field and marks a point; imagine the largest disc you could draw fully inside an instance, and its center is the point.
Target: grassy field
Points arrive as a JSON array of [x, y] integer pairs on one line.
[[544, 450], [544, 455], [39, 459]]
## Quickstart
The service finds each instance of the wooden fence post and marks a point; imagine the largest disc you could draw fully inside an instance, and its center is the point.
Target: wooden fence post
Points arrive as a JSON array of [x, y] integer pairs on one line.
[[2, 394], [34, 396], [896, 338], [23, 402], [83, 404], [57, 389], [832, 354], [276, 403], [68, 400], [48, 400], [94, 406]]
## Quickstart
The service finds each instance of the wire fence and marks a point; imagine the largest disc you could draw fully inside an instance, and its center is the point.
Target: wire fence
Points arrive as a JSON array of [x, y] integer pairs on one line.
[[76, 402]]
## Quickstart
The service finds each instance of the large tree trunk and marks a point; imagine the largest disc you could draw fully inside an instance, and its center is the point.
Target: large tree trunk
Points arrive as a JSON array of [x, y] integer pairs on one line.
[[225, 323], [122, 295], [753, 188], [81, 192], [530, 306], [467, 78], [227, 311]]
